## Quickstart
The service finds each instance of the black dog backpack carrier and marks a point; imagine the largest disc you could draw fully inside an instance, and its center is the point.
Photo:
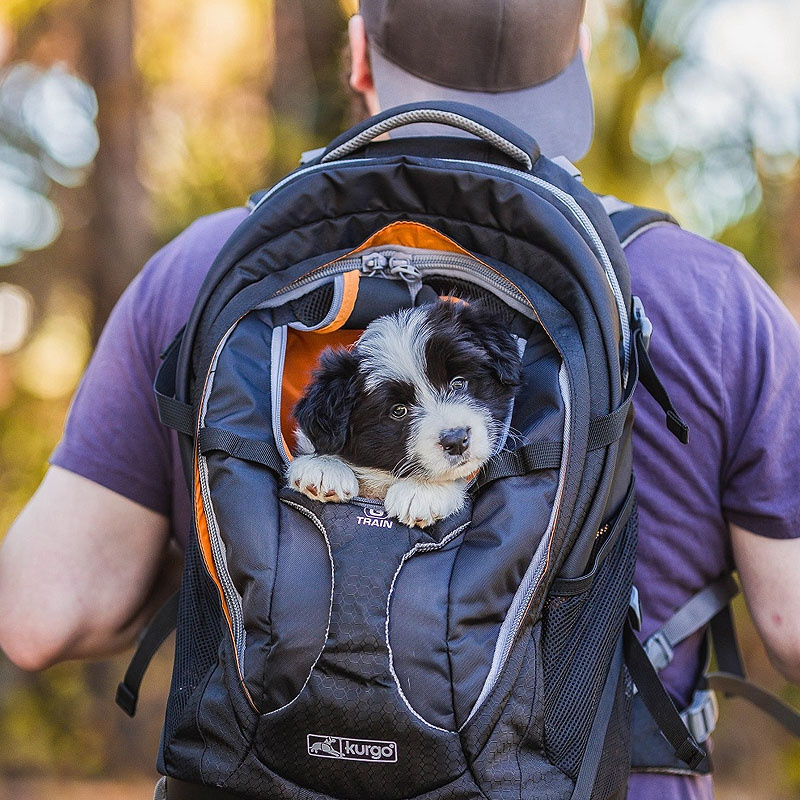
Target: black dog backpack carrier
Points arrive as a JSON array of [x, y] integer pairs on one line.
[[328, 651]]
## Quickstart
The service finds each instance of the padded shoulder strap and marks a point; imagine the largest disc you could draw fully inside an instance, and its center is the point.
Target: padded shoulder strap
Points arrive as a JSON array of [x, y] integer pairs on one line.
[[172, 412], [630, 221]]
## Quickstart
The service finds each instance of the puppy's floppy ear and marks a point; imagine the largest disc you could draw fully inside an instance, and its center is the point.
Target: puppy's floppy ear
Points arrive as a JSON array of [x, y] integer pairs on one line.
[[491, 333], [323, 412]]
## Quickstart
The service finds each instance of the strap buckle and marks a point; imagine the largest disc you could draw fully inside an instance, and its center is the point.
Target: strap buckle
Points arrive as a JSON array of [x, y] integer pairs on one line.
[[659, 650], [642, 321], [702, 715]]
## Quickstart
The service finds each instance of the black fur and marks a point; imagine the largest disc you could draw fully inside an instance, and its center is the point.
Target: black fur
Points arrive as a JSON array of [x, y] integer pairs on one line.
[[376, 439], [323, 412], [467, 334], [341, 418]]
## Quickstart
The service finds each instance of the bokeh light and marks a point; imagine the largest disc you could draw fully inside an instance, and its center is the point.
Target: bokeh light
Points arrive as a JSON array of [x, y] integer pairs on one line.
[[47, 134], [16, 312], [727, 113]]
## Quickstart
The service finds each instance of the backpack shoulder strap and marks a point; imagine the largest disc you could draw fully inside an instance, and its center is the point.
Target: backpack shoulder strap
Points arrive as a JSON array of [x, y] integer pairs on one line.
[[631, 221], [710, 606]]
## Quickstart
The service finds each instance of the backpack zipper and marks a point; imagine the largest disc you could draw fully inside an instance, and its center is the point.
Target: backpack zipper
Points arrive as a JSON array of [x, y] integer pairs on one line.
[[565, 198], [410, 267]]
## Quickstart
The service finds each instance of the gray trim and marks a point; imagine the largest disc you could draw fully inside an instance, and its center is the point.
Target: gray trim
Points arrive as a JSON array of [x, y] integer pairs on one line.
[[597, 735], [161, 790], [516, 612], [422, 547], [277, 361], [639, 231], [336, 304], [613, 205], [440, 118]]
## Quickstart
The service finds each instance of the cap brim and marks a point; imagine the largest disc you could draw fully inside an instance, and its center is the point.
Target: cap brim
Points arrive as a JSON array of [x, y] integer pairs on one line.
[[558, 113]]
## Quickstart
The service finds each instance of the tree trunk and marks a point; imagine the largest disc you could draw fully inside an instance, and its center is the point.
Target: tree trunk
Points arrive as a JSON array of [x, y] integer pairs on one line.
[[119, 231]]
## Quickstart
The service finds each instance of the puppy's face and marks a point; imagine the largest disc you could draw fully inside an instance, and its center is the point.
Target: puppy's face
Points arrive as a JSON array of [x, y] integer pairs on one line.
[[423, 394]]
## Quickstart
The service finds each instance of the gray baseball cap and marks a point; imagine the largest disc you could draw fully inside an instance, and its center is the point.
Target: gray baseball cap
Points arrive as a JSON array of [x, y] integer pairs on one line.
[[517, 58]]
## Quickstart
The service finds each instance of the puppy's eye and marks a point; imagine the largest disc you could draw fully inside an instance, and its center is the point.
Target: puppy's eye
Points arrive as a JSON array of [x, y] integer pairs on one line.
[[398, 411], [458, 383]]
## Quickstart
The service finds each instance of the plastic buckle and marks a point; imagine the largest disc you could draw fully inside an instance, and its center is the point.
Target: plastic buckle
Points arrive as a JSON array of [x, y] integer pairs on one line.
[[126, 699], [642, 320], [702, 715], [658, 650], [635, 609]]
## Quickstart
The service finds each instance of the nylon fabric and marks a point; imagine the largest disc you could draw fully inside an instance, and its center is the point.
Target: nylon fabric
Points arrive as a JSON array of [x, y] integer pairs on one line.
[[442, 647]]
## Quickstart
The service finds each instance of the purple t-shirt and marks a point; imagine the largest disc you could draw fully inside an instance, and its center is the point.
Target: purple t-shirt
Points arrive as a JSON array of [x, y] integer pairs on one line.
[[723, 344]]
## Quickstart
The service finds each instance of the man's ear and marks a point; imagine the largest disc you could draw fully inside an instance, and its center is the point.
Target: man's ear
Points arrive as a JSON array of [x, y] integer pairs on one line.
[[323, 412], [360, 69]]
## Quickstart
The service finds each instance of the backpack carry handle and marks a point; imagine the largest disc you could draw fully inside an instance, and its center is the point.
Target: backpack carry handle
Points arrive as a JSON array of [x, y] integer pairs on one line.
[[495, 130]]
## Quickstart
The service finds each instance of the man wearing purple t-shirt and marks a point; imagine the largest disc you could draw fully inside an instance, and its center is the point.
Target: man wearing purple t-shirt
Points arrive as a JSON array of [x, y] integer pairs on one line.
[[89, 558]]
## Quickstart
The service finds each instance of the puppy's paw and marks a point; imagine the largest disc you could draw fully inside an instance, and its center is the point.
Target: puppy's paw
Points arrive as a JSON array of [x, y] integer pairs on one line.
[[324, 478], [421, 504]]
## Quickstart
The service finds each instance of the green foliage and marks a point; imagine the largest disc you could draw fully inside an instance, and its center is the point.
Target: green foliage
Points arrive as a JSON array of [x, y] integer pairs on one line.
[[50, 721]]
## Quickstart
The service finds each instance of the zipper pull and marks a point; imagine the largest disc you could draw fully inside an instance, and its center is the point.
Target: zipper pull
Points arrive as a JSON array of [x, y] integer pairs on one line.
[[403, 266], [373, 263]]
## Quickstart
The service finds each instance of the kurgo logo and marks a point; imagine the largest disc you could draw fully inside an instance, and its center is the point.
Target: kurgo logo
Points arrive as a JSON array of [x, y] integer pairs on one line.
[[376, 517], [351, 749]]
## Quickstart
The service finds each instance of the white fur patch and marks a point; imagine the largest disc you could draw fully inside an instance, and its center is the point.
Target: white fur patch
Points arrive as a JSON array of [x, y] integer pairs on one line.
[[421, 504], [324, 478], [393, 348], [438, 414]]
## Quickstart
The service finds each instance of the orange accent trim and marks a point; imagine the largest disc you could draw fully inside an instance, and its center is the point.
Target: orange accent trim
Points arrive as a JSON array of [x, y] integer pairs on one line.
[[204, 538], [348, 302], [411, 234], [303, 349]]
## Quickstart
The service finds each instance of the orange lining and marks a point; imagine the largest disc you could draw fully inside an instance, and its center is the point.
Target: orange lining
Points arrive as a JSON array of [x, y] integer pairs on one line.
[[411, 234], [351, 280], [204, 538], [303, 349]]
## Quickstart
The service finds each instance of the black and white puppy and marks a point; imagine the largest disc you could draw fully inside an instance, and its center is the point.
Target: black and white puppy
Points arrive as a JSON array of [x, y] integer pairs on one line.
[[414, 408]]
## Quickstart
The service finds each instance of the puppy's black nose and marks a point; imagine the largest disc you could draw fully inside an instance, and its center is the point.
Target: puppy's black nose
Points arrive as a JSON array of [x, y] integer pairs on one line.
[[455, 441]]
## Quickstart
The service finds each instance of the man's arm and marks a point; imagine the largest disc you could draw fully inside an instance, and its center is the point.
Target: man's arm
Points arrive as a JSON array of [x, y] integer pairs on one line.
[[81, 570], [769, 570]]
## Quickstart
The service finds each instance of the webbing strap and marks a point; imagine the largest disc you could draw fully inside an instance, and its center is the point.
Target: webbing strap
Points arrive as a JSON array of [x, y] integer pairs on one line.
[[172, 412], [658, 701], [524, 460], [162, 624], [256, 450], [736, 686], [651, 382], [593, 755], [603, 432], [693, 615], [726, 644]]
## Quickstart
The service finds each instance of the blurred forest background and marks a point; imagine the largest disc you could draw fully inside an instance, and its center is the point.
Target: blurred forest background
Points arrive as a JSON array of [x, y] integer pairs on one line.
[[123, 120]]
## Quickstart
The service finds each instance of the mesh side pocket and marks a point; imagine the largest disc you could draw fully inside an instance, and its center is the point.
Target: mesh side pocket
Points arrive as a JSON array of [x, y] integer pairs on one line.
[[612, 775], [580, 633], [312, 308], [197, 639]]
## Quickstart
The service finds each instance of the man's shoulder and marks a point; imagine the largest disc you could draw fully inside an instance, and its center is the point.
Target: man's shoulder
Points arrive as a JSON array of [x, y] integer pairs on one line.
[[693, 278], [165, 290], [192, 252], [666, 250]]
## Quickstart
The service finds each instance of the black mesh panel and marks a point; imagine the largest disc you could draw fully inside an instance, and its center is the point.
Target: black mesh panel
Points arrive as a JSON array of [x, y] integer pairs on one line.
[[200, 628], [312, 308], [580, 633], [612, 775]]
